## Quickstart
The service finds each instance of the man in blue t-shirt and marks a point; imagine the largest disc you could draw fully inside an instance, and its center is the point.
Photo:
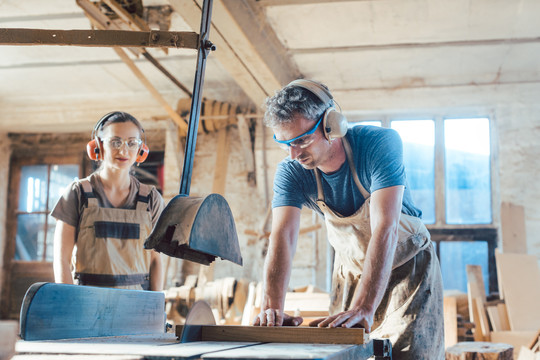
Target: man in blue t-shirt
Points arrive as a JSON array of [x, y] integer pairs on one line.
[[386, 275]]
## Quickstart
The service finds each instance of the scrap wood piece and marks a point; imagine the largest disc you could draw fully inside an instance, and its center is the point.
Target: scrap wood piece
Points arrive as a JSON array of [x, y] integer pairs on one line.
[[281, 334], [450, 321], [520, 278], [475, 289], [482, 318], [517, 339], [514, 238], [503, 316]]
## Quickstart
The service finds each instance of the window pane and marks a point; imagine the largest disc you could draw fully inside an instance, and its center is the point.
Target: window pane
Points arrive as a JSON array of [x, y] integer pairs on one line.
[[30, 237], [418, 138], [370, 122], [61, 176], [33, 188], [467, 171], [455, 256]]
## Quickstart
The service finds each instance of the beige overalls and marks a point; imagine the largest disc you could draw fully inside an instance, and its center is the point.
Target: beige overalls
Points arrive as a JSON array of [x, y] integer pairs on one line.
[[411, 312], [110, 249]]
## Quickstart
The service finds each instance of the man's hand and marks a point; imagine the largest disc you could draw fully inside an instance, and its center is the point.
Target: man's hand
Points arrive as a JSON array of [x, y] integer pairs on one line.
[[351, 318], [274, 317]]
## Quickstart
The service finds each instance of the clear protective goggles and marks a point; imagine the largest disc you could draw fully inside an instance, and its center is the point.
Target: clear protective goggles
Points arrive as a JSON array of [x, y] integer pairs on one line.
[[301, 141], [117, 143]]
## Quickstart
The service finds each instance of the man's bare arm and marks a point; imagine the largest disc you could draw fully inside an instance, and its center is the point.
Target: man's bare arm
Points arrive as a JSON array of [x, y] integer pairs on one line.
[[277, 267]]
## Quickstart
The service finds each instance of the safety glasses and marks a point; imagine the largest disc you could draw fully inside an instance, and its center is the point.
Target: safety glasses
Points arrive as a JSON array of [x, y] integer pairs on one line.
[[301, 141], [117, 143]]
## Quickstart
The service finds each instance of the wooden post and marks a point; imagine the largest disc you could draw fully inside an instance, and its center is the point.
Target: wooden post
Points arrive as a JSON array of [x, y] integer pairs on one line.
[[480, 351]]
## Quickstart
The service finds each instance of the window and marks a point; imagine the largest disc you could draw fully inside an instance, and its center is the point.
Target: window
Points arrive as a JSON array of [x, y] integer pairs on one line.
[[448, 166], [40, 187], [467, 171], [418, 138]]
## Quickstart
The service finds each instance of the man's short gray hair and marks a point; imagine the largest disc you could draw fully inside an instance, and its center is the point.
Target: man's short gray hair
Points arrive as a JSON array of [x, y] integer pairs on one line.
[[291, 101]]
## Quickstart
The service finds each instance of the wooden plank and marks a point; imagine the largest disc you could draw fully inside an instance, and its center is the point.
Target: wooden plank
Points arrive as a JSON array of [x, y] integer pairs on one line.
[[226, 55], [515, 338], [477, 332], [521, 282], [61, 311], [247, 149], [222, 161], [482, 319], [503, 317], [514, 239], [100, 38], [450, 321], [281, 334], [475, 288], [494, 318]]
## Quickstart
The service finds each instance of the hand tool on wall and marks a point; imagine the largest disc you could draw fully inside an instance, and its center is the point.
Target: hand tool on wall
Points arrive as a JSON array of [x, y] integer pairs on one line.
[[196, 228]]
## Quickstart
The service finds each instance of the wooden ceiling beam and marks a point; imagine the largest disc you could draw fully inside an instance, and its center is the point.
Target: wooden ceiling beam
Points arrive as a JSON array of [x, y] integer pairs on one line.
[[100, 38], [234, 50]]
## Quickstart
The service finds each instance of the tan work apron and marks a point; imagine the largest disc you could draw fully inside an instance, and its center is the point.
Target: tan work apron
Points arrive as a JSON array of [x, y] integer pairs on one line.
[[110, 250], [410, 314]]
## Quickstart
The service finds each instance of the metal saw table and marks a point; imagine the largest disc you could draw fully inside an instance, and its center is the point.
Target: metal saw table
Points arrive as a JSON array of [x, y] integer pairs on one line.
[[167, 346], [61, 321]]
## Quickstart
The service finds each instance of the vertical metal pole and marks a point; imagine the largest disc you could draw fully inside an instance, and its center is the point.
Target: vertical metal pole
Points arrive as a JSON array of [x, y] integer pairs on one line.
[[204, 47]]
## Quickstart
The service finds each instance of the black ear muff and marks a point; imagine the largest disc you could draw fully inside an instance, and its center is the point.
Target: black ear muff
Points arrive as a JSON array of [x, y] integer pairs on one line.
[[335, 124]]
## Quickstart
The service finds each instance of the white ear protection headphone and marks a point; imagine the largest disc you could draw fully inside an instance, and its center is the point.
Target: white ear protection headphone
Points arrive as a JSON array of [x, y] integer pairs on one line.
[[335, 124]]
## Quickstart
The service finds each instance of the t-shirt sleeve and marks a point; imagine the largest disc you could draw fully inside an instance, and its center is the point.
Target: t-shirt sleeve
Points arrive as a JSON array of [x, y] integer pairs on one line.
[[67, 209], [386, 161], [157, 205], [287, 190]]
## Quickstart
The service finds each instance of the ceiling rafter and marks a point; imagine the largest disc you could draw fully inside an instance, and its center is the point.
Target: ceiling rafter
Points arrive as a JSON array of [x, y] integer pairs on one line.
[[234, 50]]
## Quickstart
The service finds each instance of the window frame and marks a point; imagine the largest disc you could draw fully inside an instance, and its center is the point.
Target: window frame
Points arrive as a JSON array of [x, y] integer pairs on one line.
[[440, 230], [14, 190]]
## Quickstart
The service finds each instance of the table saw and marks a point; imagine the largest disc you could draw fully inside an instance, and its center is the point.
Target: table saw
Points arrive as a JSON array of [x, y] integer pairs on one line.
[[84, 322]]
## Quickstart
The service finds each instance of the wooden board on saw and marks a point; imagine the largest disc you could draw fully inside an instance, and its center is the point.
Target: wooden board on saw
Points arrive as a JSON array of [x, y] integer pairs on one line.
[[520, 277], [281, 334]]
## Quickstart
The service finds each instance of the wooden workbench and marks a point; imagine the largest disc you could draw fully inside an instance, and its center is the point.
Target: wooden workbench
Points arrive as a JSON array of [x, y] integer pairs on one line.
[[167, 346]]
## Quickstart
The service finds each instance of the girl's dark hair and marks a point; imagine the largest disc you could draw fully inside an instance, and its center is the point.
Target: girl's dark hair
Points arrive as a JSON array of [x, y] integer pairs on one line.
[[116, 117]]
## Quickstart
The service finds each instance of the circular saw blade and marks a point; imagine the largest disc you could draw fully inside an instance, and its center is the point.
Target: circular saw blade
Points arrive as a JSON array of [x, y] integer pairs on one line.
[[200, 314]]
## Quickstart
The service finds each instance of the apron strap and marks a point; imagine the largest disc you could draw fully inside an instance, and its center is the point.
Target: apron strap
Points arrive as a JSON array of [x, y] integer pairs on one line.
[[350, 159], [143, 197], [320, 193], [88, 193]]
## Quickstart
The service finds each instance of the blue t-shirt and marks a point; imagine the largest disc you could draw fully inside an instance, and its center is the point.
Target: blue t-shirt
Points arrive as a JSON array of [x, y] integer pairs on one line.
[[378, 157]]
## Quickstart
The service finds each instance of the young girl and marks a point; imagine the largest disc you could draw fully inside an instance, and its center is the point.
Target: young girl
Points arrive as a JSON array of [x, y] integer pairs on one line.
[[107, 216]]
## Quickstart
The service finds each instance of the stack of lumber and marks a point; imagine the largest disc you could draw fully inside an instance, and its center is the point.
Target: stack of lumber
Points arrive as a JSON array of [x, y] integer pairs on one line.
[[515, 318]]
